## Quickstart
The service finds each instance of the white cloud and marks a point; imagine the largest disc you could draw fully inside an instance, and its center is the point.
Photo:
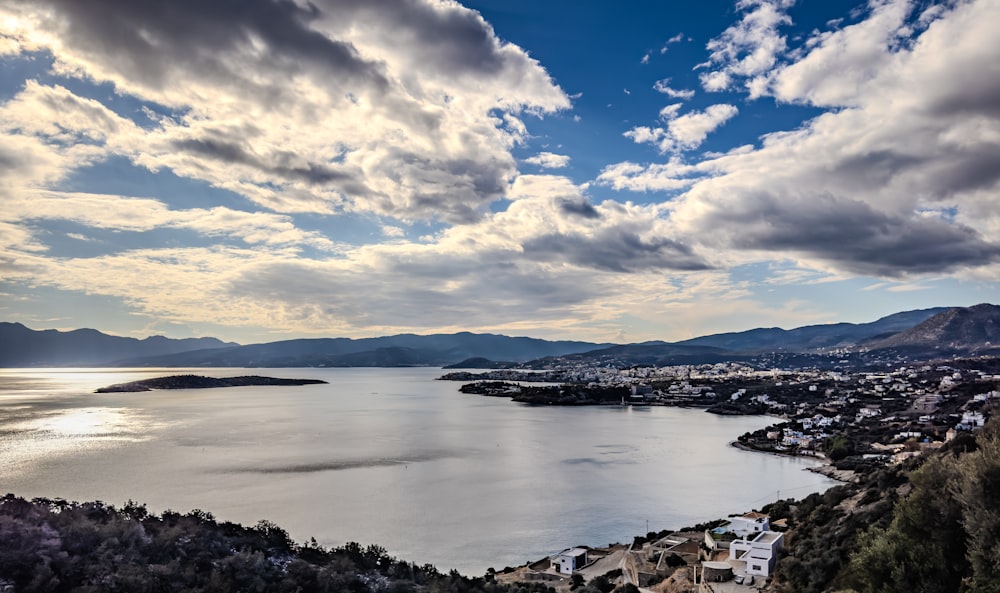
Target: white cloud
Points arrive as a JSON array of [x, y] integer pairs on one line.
[[854, 189], [548, 160], [386, 107], [749, 48], [663, 86], [392, 231], [858, 54], [116, 213], [683, 132], [552, 252]]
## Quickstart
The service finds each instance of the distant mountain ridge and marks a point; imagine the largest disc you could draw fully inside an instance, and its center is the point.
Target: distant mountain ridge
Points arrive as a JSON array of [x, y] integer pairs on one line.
[[386, 351], [961, 330], [24, 347], [927, 332], [814, 337]]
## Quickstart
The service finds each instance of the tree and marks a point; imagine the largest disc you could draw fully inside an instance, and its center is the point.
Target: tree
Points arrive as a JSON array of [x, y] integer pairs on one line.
[[923, 548], [977, 489]]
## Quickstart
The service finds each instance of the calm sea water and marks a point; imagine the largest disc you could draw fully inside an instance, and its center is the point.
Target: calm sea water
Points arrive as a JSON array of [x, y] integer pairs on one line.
[[385, 456]]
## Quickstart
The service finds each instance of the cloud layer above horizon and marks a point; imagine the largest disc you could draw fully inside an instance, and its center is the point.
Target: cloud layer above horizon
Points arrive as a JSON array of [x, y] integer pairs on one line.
[[358, 168]]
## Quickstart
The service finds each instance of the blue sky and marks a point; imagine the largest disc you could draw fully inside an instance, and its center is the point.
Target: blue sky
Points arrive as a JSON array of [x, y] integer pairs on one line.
[[601, 171]]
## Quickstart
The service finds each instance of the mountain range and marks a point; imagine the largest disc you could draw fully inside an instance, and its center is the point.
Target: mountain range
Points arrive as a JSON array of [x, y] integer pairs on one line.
[[925, 333], [24, 347]]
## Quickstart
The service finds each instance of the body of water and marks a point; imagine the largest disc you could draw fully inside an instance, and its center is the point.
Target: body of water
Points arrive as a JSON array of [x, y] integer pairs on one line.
[[385, 456]]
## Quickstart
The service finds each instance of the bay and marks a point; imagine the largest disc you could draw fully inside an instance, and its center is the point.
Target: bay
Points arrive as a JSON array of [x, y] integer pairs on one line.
[[385, 456]]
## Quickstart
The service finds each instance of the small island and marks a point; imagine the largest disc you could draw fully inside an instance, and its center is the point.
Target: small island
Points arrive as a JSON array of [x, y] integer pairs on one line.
[[200, 382]]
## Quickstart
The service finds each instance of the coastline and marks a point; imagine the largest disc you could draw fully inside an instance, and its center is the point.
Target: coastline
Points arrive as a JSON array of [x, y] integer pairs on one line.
[[825, 468]]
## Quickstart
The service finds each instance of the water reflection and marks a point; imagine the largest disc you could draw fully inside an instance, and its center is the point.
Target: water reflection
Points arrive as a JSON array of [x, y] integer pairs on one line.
[[83, 422], [385, 456]]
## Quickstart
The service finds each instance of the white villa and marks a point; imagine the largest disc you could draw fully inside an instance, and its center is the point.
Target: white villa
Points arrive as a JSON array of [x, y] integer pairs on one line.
[[569, 560], [760, 552], [748, 524]]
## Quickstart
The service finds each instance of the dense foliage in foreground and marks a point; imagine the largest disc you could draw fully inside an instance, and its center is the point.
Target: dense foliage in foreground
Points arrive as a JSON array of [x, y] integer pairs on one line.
[[931, 526], [54, 545]]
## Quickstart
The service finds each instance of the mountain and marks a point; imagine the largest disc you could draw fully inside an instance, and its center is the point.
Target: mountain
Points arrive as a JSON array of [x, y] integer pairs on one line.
[[647, 354], [814, 337], [387, 351], [24, 347], [926, 332], [961, 331], [802, 346]]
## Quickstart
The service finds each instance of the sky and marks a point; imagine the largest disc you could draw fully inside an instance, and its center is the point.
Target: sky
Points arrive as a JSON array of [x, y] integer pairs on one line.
[[259, 170]]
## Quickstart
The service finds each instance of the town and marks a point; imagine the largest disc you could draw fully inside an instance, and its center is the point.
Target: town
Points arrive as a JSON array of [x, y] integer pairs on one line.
[[854, 420]]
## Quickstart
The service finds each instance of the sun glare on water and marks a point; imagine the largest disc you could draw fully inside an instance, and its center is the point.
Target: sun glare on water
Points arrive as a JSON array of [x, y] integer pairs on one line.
[[93, 422], [33, 438]]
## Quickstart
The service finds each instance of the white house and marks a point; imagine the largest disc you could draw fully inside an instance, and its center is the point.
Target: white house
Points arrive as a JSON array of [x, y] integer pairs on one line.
[[971, 420], [570, 559], [748, 524], [760, 553]]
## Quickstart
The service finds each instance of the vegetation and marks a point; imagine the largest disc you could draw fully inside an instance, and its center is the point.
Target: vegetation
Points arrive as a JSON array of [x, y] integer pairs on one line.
[[200, 382], [932, 526], [568, 394], [55, 546]]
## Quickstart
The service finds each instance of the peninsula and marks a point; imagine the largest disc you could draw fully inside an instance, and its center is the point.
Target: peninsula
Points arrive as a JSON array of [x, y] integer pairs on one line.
[[200, 382]]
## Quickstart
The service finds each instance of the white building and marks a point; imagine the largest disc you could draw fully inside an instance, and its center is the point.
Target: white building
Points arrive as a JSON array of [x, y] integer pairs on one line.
[[760, 553], [748, 524], [569, 560], [971, 420]]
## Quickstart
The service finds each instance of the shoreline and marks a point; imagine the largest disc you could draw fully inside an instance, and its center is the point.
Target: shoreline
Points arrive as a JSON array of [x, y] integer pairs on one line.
[[825, 468]]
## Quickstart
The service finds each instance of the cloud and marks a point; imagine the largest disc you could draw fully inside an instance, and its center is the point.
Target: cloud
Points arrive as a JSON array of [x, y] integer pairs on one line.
[[551, 252], [675, 39], [139, 215], [663, 86], [899, 178], [402, 108], [683, 132], [548, 160], [858, 54], [749, 48]]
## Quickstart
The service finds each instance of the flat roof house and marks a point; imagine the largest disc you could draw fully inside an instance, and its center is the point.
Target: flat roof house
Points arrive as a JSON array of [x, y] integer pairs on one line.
[[569, 560], [760, 553]]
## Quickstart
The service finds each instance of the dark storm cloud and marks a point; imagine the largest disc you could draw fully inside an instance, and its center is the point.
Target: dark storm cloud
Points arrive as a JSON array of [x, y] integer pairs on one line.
[[853, 234], [580, 207], [148, 39], [970, 90], [960, 169], [874, 168], [456, 188], [614, 250], [236, 153], [968, 169]]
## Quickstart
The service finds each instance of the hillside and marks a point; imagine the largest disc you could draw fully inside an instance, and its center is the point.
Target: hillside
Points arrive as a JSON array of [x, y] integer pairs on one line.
[[641, 354], [55, 545], [24, 347], [961, 330], [922, 333], [930, 525], [387, 351], [814, 337]]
